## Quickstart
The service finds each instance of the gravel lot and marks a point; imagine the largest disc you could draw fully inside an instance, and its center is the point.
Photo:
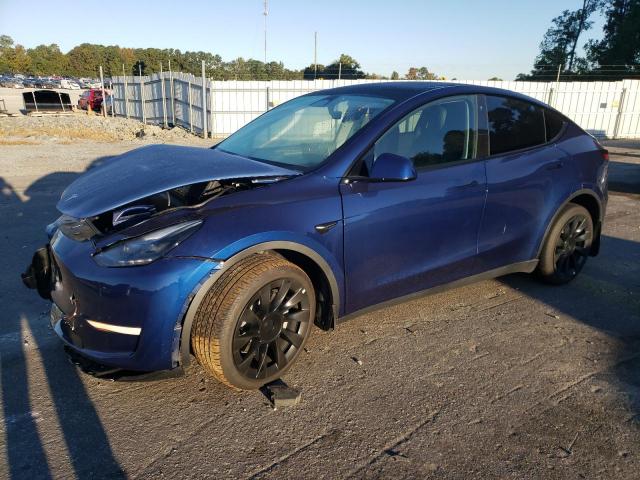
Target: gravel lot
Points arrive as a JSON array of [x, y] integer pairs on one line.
[[505, 378]]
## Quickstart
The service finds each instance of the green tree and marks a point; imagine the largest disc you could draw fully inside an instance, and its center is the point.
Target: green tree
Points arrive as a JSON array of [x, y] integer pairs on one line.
[[495, 79], [558, 46], [312, 72], [6, 49], [395, 75], [18, 60], [85, 59], [346, 67], [617, 54], [47, 60], [421, 73]]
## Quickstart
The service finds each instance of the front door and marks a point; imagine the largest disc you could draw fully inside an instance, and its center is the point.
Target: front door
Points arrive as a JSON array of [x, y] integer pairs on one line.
[[403, 237]]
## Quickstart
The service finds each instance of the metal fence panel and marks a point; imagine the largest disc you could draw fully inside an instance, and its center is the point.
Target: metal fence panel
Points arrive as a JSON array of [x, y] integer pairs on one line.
[[604, 109]]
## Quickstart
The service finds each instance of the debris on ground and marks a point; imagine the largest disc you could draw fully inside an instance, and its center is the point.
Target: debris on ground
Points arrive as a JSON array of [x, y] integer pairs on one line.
[[281, 395]]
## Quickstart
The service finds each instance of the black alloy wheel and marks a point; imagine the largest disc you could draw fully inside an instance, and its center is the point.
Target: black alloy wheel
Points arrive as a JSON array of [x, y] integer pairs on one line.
[[567, 245], [271, 329], [571, 250]]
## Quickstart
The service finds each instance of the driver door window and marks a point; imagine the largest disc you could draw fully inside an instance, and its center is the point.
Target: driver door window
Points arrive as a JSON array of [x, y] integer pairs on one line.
[[441, 132]]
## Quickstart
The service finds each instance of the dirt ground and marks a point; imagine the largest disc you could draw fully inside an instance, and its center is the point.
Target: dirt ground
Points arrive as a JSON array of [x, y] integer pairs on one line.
[[502, 379]]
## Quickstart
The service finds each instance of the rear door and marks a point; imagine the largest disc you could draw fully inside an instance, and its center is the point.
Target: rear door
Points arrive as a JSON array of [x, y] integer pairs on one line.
[[526, 175], [403, 237]]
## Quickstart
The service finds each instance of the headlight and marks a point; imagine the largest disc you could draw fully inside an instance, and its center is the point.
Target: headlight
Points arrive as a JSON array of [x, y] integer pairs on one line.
[[146, 248]]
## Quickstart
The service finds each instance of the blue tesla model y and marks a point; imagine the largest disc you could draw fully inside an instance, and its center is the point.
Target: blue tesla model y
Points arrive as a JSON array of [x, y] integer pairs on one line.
[[330, 204]]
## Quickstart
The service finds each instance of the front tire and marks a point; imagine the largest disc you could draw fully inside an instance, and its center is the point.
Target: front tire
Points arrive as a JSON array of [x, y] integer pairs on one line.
[[567, 246], [254, 321]]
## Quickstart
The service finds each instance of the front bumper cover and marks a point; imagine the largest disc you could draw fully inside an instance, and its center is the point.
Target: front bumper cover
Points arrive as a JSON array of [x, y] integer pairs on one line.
[[151, 299]]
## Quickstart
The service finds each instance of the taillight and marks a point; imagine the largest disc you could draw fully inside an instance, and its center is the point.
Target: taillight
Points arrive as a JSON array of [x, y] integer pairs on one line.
[[605, 154]]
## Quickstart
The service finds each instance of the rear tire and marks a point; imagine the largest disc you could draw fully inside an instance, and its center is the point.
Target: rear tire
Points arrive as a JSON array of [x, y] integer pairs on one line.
[[254, 321], [567, 246]]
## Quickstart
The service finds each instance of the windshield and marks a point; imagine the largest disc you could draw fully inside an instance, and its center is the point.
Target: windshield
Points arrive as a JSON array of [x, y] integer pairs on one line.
[[303, 132]]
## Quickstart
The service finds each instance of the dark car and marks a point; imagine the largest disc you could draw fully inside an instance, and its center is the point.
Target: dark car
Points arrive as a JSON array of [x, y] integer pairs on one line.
[[325, 206]]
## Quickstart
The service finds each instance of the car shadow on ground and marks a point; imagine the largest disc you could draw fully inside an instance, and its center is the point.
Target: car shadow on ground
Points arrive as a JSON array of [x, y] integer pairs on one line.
[[613, 278], [624, 177], [25, 317]]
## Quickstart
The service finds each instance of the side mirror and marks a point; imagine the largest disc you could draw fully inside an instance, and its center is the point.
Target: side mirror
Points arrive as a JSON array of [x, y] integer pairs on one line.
[[390, 167]]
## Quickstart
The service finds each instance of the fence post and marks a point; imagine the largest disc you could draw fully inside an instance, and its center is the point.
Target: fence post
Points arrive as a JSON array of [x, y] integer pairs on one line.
[[173, 96], [267, 109], [211, 122], [190, 108], [204, 103], [623, 95], [126, 93], [104, 98], [164, 100], [144, 116], [550, 97]]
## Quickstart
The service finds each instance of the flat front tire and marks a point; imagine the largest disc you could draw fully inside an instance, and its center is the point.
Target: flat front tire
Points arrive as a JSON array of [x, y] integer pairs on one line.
[[254, 321]]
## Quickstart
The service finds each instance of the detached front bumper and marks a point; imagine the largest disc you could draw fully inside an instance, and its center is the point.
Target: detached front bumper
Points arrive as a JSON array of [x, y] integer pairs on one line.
[[125, 317]]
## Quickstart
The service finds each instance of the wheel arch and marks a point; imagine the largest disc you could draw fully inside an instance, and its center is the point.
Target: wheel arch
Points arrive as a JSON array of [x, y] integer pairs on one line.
[[585, 198], [313, 264]]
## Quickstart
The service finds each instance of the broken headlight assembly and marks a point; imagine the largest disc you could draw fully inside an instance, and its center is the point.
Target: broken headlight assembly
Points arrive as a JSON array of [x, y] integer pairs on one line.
[[146, 248]]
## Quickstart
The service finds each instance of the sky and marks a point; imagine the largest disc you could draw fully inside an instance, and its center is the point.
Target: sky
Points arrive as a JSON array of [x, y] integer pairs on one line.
[[464, 39]]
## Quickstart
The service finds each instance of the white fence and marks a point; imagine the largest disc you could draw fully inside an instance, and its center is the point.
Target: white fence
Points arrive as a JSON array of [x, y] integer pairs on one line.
[[604, 109]]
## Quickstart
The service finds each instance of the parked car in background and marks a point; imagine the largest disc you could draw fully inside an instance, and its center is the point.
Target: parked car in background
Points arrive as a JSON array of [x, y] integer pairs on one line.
[[91, 99], [91, 84], [69, 84], [11, 82], [327, 205]]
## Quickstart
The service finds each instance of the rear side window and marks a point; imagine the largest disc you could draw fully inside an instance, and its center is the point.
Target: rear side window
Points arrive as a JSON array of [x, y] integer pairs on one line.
[[553, 122], [514, 124]]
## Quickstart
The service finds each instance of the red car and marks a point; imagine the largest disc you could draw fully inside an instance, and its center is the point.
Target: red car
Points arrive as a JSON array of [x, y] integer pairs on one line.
[[91, 98]]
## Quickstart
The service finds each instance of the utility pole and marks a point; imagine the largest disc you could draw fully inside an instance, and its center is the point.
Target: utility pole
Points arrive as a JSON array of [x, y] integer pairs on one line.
[[339, 70], [265, 13], [315, 55]]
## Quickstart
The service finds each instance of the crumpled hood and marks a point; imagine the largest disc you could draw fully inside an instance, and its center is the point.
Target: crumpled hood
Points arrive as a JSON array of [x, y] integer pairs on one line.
[[155, 169]]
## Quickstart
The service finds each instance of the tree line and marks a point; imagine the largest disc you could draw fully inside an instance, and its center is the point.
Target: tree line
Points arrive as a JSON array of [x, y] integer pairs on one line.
[[614, 56], [84, 60]]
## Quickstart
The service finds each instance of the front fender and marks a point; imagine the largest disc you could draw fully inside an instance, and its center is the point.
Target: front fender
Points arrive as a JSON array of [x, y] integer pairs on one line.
[[241, 249]]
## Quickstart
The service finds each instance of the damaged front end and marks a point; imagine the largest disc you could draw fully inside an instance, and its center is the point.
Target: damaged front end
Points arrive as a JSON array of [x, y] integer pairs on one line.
[[130, 212], [103, 230]]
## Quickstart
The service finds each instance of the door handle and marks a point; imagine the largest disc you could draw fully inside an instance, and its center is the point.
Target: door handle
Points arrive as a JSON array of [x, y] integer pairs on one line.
[[555, 165]]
